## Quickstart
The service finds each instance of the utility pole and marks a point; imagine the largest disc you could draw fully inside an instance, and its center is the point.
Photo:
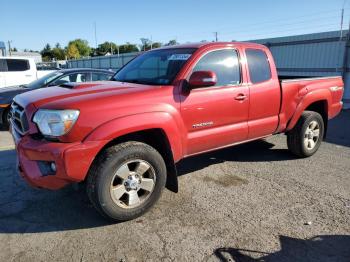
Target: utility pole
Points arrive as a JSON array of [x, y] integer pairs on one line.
[[342, 21], [345, 57], [9, 44], [216, 36], [151, 43], [95, 35]]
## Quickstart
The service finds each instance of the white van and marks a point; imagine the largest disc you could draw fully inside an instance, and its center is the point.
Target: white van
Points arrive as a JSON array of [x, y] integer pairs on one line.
[[19, 71]]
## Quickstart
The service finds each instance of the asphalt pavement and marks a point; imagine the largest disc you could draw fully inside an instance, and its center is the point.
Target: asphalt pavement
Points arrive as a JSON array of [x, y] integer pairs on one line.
[[250, 202]]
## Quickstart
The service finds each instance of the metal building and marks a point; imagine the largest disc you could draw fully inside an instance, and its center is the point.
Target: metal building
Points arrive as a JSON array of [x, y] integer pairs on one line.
[[318, 54]]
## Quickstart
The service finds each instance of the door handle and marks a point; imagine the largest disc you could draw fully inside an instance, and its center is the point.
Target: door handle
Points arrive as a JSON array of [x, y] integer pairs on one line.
[[240, 97]]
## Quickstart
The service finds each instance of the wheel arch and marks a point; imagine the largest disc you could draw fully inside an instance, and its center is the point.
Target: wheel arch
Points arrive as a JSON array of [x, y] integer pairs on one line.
[[162, 134], [318, 101]]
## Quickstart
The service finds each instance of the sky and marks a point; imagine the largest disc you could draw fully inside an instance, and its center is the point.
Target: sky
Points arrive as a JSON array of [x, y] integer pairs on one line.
[[31, 24]]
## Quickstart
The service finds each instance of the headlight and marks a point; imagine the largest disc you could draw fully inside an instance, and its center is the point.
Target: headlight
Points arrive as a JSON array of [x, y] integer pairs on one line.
[[55, 122]]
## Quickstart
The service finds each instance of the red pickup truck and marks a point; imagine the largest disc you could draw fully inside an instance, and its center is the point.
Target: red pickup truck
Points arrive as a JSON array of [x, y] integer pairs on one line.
[[124, 137]]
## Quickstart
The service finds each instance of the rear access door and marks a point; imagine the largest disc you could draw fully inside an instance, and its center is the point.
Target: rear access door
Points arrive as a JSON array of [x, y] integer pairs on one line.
[[265, 93]]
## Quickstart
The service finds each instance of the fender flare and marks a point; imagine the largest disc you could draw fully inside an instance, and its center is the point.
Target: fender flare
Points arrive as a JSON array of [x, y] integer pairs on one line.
[[306, 101], [139, 122]]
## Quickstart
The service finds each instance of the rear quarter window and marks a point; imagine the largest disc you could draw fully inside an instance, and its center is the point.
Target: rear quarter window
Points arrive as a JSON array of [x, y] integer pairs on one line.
[[258, 65], [15, 65]]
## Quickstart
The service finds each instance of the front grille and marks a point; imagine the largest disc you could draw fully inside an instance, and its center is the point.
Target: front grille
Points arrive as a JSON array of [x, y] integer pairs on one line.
[[19, 118]]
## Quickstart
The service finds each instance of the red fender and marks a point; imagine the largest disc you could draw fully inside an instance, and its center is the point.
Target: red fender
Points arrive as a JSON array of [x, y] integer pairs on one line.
[[138, 122], [308, 99]]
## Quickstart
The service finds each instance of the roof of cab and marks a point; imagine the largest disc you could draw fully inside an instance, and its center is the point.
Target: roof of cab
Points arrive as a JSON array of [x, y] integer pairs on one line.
[[213, 44]]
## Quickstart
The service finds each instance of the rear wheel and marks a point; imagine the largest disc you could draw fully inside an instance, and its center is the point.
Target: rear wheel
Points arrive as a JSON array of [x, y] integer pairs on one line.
[[306, 137], [126, 180]]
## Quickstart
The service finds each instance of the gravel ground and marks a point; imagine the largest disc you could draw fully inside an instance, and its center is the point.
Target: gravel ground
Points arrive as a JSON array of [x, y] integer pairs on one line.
[[245, 203]]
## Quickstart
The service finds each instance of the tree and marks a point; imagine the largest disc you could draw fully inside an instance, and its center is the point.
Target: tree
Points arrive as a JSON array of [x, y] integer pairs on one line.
[[49, 54], [47, 48], [128, 48], [58, 53], [172, 42], [93, 51], [106, 47], [156, 45], [46, 53], [72, 51], [82, 46], [148, 44]]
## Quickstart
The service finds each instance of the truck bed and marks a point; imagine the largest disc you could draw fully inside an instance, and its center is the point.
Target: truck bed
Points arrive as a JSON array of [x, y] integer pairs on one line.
[[297, 90]]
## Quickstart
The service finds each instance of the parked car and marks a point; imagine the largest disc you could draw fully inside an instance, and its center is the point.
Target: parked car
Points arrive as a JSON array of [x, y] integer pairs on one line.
[[19, 71], [52, 79], [124, 138]]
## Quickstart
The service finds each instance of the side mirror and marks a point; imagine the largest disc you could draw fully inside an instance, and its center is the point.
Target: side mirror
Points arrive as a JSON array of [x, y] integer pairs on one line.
[[202, 79]]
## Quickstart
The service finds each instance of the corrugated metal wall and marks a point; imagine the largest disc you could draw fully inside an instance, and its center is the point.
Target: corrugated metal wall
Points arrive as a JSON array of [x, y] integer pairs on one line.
[[319, 54], [103, 62]]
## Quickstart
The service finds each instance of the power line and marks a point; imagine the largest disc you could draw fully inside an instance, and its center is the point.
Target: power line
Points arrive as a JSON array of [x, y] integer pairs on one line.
[[282, 24], [323, 26], [284, 21]]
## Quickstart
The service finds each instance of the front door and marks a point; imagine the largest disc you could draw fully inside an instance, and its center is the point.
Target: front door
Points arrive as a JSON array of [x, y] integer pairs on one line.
[[216, 116]]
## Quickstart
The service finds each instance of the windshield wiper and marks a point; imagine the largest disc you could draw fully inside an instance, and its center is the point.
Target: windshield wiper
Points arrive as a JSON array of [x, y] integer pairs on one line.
[[136, 81], [24, 86]]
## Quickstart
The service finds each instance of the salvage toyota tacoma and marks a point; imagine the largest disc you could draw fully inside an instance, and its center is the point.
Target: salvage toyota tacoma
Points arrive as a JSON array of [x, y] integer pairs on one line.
[[123, 138]]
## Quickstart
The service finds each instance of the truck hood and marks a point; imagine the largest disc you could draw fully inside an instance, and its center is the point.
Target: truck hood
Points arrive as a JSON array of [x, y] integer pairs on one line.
[[77, 92]]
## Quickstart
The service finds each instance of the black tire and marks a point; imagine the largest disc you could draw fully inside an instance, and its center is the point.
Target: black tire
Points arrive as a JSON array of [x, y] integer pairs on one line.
[[102, 174], [295, 137], [5, 122]]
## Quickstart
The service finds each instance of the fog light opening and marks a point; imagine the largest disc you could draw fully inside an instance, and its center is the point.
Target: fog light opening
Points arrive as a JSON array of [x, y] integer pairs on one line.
[[53, 167]]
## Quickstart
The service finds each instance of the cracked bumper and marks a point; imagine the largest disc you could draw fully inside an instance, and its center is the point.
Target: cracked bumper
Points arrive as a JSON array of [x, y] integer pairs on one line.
[[72, 160]]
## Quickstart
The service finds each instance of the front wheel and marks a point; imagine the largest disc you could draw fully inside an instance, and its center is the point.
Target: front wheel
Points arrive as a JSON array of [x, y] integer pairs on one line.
[[6, 118], [306, 137], [126, 180]]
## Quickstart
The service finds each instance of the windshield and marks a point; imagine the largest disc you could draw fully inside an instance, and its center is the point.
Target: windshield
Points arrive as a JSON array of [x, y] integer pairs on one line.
[[158, 67], [43, 81]]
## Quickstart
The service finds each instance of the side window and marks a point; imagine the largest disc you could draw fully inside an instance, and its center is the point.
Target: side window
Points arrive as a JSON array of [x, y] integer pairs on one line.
[[72, 78], [258, 64], [100, 77], [14, 65], [224, 63]]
